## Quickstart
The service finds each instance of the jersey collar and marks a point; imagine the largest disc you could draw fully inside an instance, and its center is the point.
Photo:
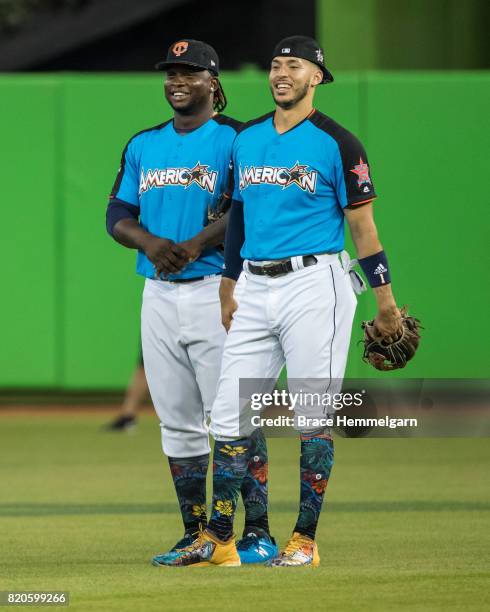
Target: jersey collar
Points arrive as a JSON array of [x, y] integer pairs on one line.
[[313, 111]]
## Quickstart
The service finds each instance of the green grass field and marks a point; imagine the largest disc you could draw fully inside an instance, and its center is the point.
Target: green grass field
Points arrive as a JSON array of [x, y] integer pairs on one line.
[[405, 526]]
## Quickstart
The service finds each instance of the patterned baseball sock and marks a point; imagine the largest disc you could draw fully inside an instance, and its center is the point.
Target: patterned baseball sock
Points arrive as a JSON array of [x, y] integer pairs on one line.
[[229, 469], [189, 476], [254, 486], [315, 465]]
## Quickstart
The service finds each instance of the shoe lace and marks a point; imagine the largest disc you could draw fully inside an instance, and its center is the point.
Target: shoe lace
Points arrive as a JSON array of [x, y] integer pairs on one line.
[[296, 542], [198, 537]]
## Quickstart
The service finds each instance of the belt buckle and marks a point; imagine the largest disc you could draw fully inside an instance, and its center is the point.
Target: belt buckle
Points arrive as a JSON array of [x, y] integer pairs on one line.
[[274, 269]]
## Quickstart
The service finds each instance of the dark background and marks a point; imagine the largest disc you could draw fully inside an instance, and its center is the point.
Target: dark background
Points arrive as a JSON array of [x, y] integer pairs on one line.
[[130, 35], [89, 36]]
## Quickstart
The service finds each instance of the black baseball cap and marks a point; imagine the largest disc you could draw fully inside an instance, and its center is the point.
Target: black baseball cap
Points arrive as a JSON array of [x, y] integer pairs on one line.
[[191, 53], [306, 48]]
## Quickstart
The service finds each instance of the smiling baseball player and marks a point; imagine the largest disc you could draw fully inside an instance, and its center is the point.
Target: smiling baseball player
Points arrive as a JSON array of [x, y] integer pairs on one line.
[[172, 177], [298, 176]]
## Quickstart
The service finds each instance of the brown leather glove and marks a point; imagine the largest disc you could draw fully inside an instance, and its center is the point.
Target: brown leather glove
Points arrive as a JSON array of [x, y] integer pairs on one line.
[[391, 356]]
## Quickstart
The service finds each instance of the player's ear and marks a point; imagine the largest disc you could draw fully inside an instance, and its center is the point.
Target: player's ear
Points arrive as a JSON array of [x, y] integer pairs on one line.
[[317, 78], [213, 85]]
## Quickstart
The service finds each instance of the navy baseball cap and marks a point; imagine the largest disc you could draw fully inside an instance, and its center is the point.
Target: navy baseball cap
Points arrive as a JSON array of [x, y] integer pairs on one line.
[[306, 48], [191, 53]]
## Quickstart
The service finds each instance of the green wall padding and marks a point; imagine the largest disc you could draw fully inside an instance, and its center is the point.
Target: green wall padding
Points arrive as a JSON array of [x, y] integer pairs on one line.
[[71, 298], [29, 246], [428, 144]]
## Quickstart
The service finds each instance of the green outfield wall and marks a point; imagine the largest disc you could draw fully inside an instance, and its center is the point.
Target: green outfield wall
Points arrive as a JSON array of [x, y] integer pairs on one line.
[[401, 35], [70, 296]]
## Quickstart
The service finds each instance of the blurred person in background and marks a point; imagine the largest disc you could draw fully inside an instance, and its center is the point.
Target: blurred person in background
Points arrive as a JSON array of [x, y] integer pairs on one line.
[[136, 393]]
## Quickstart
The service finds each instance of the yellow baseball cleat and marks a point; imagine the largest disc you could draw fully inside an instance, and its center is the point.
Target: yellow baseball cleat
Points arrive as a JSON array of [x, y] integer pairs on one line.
[[300, 550], [206, 549]]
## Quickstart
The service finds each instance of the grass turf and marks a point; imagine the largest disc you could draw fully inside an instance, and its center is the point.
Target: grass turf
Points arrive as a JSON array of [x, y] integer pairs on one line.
[[405, 525]]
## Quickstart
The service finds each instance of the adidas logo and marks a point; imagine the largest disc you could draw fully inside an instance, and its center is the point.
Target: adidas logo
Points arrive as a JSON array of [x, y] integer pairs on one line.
[[380, 269]]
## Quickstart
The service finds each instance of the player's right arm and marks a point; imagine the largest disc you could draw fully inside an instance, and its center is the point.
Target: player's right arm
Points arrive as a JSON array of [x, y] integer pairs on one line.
[[164, 254], [235, 237], [122, 220]]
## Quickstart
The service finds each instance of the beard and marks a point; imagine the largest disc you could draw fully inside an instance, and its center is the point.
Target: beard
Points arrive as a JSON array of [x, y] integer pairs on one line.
[[288, 104]]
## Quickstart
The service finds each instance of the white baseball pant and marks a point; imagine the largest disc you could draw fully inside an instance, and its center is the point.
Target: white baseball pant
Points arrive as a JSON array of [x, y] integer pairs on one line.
[[302, 319], [182, 339]]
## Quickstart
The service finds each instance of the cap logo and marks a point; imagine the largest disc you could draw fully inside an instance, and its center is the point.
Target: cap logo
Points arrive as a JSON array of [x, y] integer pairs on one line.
[[319, 56], [212, 62], [286, 50], [180, 47]]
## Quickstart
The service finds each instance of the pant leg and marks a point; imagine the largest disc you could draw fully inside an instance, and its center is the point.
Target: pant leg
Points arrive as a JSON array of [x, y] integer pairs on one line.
[[316, 323], [252, 351], [170, 374], [203, 335]]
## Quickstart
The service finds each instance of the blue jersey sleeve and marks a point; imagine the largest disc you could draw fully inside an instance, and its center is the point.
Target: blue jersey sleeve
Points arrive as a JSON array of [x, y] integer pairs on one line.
[[126, 185]]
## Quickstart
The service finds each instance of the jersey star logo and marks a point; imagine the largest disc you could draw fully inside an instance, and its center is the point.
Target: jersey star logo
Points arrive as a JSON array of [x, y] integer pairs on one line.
[[295, 175], [195, 175], [362, 172]]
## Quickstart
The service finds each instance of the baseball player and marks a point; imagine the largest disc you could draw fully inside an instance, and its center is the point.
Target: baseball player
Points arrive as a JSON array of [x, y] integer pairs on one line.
[[172, 177], [298, 175]]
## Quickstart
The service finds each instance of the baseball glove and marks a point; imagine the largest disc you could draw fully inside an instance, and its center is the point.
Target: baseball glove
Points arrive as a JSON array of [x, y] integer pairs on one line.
[[221, 208], [391, 356]]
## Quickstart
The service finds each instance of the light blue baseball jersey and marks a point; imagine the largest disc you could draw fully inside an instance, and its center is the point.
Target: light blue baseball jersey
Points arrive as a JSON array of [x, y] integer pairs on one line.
[[294, 186], [174, 179]]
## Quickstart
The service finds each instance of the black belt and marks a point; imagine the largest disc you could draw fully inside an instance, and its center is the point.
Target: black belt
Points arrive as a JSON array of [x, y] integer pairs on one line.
[[279, 268], [189, 280]]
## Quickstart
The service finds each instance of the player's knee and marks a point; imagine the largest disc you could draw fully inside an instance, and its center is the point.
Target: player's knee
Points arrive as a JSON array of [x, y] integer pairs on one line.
[[178, 443]]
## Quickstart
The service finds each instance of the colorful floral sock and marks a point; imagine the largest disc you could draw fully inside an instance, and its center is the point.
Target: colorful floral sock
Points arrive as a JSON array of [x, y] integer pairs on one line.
[[189, 476], [315, 466], [229, 469], [254, 486]]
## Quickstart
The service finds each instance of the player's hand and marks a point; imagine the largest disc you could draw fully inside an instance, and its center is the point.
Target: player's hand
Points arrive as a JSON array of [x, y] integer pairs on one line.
[[165, 255], [228, 302], [388, 324], [192, 247]]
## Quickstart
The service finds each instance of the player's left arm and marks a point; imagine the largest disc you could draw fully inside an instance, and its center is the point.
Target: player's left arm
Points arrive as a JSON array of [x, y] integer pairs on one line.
[[355, 192], [365, 237]]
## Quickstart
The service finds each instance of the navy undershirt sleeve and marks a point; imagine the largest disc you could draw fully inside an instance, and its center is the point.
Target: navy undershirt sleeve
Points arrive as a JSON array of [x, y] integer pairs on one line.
[[235, 237], [117, 210]]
